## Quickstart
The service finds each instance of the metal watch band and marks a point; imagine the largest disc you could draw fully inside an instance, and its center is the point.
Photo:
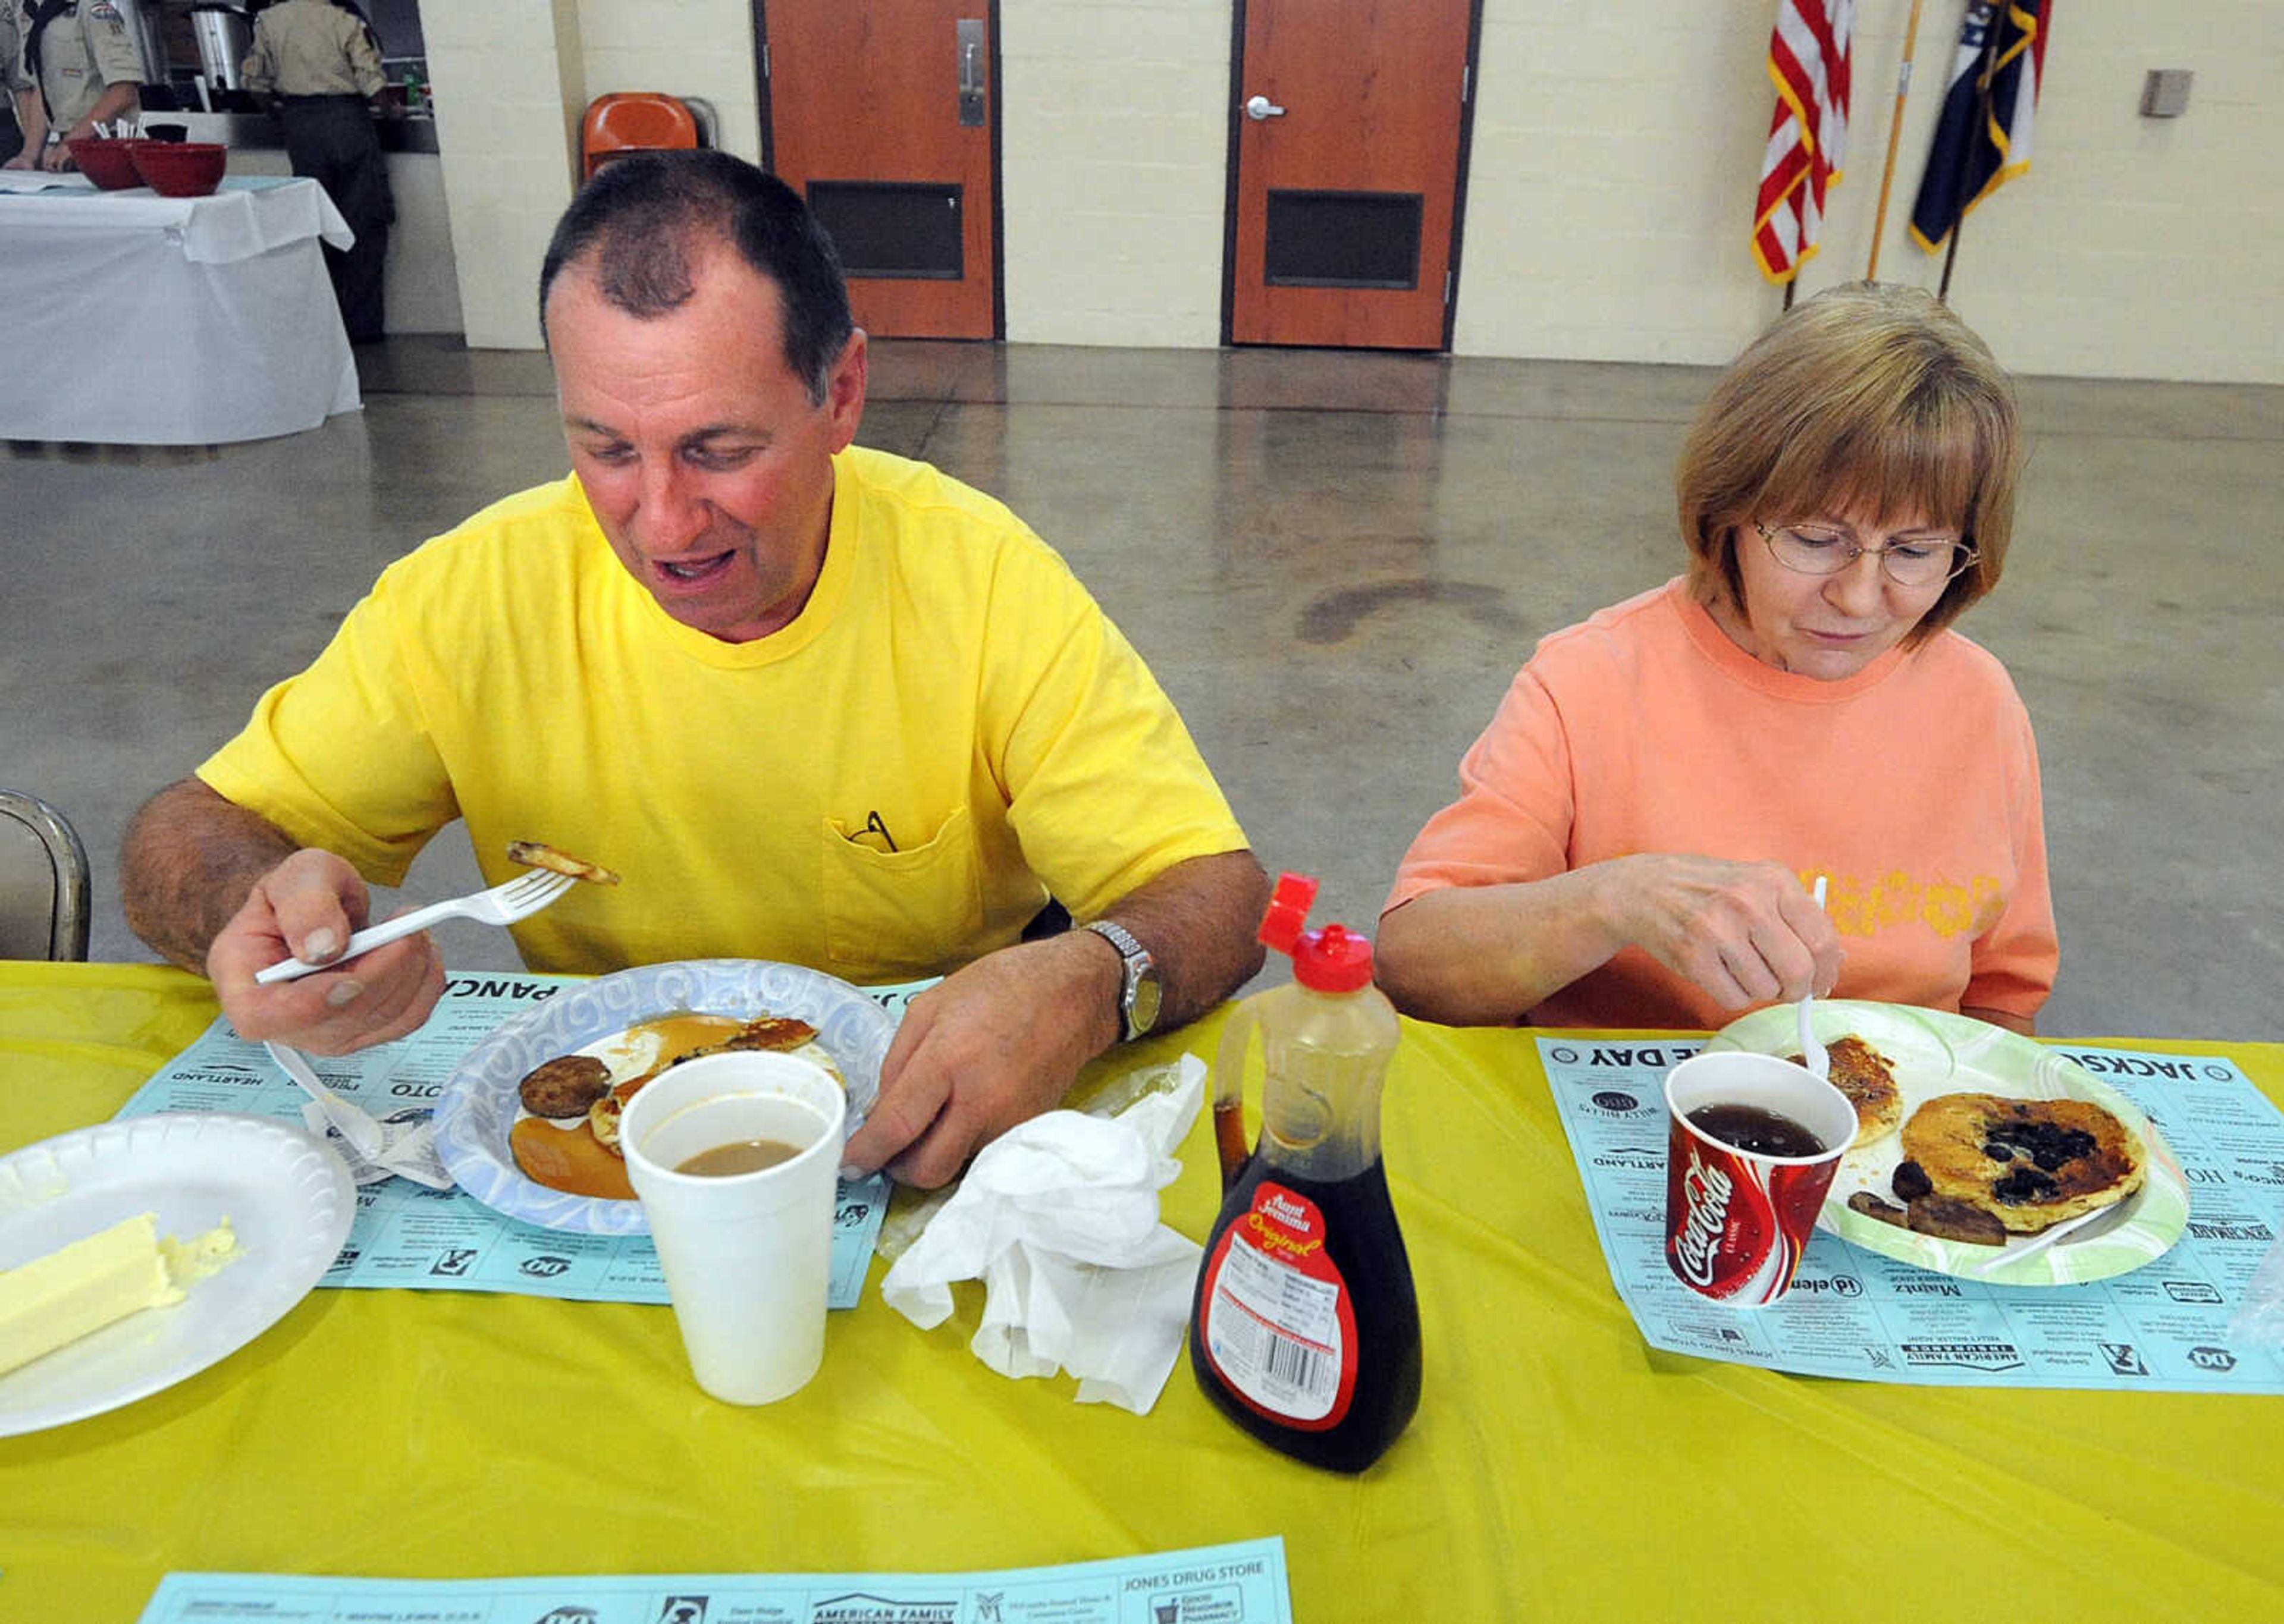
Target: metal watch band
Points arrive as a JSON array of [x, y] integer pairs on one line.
[[1133, 1021]]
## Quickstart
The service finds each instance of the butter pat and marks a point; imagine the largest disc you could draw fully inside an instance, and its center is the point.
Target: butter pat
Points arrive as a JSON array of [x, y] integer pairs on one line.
[[201, 1255], [93, 1283]]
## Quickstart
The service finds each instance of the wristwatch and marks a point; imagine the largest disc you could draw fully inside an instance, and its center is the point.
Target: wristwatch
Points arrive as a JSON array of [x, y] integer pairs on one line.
[[1138, 1000]]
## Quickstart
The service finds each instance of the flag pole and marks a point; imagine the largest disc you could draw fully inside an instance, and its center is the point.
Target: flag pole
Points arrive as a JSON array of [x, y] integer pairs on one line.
[[1895, 132], [1975, 133]]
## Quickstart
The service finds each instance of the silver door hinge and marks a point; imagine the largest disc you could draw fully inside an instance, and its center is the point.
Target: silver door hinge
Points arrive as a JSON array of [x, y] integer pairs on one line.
[[1466, 79], [1447, 287]]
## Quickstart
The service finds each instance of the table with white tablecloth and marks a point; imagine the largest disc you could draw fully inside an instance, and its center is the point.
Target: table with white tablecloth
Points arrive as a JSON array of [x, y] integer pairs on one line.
[[136, 319]]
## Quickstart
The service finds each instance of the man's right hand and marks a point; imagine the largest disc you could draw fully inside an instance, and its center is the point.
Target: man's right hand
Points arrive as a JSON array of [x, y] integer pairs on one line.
[[306, 907]]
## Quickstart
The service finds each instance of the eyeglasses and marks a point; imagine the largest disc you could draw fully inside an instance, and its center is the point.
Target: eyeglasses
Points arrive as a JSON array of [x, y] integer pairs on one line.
[[1816, 549]]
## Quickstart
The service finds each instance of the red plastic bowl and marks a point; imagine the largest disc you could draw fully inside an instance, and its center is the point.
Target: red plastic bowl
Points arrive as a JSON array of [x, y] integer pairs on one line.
[[109, 164], [180, 169]]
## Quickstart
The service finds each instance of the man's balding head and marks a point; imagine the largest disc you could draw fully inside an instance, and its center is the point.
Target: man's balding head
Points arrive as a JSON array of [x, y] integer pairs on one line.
[[643, 223]]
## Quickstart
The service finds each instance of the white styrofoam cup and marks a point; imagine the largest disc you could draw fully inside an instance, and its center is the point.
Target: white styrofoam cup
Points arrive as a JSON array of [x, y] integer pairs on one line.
[[747, 1257]]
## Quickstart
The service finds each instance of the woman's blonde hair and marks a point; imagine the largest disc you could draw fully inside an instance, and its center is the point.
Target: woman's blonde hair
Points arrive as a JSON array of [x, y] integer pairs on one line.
[[1869, 401]]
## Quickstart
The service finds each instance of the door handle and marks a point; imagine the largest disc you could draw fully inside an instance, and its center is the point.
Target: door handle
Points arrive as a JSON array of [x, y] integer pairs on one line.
[[968, 37], [1260, 107]]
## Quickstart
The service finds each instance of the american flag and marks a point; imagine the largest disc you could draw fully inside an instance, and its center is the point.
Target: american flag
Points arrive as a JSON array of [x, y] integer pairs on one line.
[[1808, 60]]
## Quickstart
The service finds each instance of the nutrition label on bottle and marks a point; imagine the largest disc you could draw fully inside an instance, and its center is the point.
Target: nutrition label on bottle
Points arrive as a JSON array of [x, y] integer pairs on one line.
[[1273, 1321]]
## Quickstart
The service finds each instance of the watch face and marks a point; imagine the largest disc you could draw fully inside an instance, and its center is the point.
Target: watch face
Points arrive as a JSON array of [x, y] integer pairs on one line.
[[1142, 1014]]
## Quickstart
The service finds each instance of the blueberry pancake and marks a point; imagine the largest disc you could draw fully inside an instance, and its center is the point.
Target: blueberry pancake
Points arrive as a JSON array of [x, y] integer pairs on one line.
[[2030, 1163]]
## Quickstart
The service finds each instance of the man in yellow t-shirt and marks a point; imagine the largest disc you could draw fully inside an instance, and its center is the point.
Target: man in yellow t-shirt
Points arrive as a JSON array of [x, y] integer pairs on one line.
[[814, 703]]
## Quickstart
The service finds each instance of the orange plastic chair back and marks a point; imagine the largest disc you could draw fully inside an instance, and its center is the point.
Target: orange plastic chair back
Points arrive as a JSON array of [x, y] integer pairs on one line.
[[634, 121]]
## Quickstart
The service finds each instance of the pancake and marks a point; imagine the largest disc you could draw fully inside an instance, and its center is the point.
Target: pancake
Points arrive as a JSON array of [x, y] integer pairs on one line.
[[588, 1159], [1865, 1075], [2030, 1163], [538, 855], [777, 1033]]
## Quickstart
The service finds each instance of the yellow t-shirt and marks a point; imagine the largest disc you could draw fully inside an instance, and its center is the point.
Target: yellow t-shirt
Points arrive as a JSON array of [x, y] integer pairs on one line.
[[950, 690]]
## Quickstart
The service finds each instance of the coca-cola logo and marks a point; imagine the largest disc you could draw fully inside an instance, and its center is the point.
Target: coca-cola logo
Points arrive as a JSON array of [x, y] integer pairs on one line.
[[1705, 1206]]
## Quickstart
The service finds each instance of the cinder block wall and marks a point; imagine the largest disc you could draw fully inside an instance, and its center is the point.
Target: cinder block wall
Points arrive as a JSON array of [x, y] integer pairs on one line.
[[504, 74], [1614, 159], [1114, 152]]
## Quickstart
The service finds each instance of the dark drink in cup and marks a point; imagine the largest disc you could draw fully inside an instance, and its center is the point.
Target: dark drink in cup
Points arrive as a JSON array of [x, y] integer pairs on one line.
[[1758, 1129], [1752, 1146]]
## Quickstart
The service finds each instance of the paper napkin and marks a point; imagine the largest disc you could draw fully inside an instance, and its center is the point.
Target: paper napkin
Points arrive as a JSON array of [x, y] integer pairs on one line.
[[1059, 1218]]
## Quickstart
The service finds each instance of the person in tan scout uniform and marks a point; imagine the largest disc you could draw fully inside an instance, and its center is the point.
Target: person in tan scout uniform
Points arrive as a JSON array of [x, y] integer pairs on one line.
[[85, 69], [323, 65], [12, 82]]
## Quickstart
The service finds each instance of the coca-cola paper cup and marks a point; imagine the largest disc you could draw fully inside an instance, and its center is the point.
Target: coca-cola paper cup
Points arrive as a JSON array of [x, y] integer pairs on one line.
[[1741, 1191]]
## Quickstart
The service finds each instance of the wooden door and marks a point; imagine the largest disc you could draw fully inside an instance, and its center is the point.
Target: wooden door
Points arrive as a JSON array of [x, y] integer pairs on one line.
[[1350, 140], [884, 115]]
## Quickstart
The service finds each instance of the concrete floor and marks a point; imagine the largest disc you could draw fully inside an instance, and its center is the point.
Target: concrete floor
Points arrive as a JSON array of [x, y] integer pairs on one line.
[[1335, 562]]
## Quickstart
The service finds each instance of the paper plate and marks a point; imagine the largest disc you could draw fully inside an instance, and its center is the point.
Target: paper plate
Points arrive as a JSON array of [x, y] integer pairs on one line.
[[1935, 1052], [478, 1104], [286, 1196]]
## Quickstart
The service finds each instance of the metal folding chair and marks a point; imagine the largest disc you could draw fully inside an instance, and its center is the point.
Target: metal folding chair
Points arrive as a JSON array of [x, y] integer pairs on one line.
[[44, 881]]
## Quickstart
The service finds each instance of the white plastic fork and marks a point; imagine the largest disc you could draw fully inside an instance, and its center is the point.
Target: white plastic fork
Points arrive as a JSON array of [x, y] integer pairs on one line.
[[504, 904], [1812, 1054], [2040, 1242]]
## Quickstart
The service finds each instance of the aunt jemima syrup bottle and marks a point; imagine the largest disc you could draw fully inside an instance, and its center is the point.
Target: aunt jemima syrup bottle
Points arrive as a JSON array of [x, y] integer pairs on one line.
[[1305, 1331]]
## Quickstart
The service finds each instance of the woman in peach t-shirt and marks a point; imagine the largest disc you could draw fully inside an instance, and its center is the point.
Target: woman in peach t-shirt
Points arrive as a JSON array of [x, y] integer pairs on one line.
[[1638, 827]]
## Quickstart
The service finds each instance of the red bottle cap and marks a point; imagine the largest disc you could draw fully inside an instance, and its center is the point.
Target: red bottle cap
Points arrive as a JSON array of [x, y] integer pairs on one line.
[[1334, 959], [1288, 911]]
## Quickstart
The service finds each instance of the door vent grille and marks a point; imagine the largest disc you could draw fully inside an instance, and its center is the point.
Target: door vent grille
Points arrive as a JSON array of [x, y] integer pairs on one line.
[[901, 229], [1343, 239]]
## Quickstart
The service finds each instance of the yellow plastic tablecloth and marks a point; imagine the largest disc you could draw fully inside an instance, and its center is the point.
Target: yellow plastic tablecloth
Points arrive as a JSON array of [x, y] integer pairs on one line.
[[1557, 1468]]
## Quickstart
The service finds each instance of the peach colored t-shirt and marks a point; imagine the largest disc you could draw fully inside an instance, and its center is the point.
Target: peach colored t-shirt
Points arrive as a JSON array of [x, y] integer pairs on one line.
[[1913, 784]]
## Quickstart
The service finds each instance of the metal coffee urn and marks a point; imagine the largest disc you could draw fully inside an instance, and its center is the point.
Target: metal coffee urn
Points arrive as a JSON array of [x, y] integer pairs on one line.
[[224, 35]]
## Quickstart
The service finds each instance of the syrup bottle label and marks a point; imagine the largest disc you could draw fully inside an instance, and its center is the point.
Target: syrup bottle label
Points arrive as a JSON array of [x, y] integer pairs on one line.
[[1279, 1325]]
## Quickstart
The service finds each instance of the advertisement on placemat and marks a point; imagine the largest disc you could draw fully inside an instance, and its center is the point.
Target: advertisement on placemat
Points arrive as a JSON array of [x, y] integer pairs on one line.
[[1240, 1583]]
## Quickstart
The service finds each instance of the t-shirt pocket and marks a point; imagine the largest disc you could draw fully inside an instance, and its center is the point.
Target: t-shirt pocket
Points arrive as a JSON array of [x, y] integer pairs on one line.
[[912, 912]]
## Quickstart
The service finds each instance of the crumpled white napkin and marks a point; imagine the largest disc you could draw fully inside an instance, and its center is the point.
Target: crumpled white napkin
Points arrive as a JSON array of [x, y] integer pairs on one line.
[[1059, 1218]]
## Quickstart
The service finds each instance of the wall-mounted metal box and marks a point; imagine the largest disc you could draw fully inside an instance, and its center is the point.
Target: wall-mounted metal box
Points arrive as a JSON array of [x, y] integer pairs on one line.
[[2165, 93]]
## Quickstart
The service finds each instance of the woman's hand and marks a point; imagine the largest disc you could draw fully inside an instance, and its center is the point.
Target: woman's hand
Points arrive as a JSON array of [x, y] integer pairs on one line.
[[1744, 933]]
